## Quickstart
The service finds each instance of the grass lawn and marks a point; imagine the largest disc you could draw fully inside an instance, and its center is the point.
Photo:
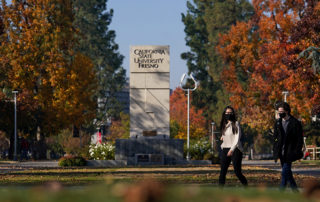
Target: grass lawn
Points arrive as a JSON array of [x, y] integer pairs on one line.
[[256, 176], [308, 162], [118, 184]]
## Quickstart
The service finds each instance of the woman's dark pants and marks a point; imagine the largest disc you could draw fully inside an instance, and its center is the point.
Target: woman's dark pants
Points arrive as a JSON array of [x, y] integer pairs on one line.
[[225, 161]]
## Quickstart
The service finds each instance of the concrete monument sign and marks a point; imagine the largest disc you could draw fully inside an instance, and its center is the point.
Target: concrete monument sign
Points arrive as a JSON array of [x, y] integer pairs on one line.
[[149, 142], [149, 91]]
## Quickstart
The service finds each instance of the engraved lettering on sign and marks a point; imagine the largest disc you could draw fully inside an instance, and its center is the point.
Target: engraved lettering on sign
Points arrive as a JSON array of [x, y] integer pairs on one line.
[[142, 158], [149, 133], [145, 57], [156, 158]]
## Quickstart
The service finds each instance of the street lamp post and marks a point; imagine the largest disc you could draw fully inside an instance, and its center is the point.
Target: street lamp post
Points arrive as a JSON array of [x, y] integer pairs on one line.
[[15, 125], [285, 93], [212, 135], [188, 122]]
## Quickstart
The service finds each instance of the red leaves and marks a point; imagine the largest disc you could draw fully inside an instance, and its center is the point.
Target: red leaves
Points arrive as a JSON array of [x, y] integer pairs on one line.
[[178, 113], [265, 51]]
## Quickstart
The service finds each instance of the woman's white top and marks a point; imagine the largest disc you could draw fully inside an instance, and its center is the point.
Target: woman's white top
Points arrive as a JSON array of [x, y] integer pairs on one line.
[[231, 140]]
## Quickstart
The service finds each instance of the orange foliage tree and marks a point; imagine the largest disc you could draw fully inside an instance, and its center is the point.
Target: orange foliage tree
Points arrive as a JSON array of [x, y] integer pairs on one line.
[[120, 128], [3, 60], [262, 57], [38, 45], [77, 100], [178, 117]]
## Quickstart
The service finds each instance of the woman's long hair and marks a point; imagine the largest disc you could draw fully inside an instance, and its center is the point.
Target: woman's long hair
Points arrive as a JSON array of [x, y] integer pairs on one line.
[[224, 121]]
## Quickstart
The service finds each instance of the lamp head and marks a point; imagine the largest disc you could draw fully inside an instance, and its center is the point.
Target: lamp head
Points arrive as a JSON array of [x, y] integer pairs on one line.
[[182, 78], [195, 82]]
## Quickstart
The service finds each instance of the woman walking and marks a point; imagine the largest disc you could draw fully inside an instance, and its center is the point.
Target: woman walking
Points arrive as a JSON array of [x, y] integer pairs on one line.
[[231, 146]]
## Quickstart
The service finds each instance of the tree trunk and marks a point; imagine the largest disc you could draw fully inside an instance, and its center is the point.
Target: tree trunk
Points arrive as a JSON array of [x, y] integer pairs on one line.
[[11, 148], [39, 146]]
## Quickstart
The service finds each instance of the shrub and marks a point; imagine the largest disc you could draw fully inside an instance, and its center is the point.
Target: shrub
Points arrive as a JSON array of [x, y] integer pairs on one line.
[[103, 151], [56, 149], [72, 161], [4, 144], [213, 157], [72, 145], [208, 156], [199, 148]]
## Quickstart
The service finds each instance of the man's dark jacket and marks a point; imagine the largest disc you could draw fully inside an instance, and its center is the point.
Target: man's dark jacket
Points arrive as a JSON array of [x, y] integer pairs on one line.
[[292, 140]]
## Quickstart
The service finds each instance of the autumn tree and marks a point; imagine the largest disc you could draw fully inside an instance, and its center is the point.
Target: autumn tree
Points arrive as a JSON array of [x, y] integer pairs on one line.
[[79, 104], [39, 46], [204, 21], [305, 34], [1, 22], [97, 41], [120, 128], [262, 57], [178, 117], [3, 60]]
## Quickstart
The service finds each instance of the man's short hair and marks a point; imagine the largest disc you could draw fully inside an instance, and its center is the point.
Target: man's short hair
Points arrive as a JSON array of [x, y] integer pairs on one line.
[[283, 105], [276, 104]]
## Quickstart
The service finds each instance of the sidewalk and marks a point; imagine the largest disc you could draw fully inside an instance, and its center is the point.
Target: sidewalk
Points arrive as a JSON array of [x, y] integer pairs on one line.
[[29, 164], [299, 169]]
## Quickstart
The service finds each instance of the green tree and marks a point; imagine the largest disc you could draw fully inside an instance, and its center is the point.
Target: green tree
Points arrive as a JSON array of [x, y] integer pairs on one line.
[[204, 22], [97, 41], [312, 132]]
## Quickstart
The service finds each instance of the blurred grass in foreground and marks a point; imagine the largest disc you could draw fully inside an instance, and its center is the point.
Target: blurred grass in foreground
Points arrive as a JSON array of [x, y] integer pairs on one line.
[[148, 184], [143, 191]]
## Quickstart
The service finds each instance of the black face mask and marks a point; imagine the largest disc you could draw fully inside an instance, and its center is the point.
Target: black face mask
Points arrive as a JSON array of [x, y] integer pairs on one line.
[[229, 117], [282, 115]]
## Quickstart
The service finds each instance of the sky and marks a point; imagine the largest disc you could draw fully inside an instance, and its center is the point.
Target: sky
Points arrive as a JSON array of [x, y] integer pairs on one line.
[[151, 22]]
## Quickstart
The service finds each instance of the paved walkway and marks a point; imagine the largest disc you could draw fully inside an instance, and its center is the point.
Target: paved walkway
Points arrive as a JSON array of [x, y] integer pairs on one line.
[[296, 168], [9, 166]]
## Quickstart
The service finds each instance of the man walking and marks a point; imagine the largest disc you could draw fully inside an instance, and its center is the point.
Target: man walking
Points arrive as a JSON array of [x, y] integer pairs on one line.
[[288, 142]]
